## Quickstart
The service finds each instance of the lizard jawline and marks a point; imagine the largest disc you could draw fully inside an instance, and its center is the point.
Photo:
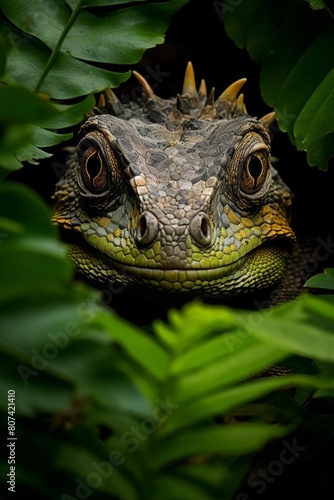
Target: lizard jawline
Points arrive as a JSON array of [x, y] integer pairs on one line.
[[259, 268]]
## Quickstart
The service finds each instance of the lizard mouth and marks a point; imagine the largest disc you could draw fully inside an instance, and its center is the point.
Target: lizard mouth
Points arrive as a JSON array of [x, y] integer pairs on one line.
[[259, 268]]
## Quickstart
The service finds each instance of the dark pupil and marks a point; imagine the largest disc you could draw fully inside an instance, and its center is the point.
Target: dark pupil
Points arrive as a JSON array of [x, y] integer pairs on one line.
[[255, 169], [93, 166]]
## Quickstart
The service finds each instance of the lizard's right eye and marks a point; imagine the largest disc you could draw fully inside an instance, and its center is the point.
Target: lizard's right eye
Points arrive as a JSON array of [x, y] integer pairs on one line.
[[96, 163], [94, 171]]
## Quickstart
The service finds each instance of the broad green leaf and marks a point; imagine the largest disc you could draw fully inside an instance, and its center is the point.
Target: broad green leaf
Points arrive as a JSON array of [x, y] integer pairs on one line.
[[263, 25], [43, 138], [222, 477], [320, 152], [287, 50], [22, 205], [40, 320], [133, 449], [110, 479], [210, 351], [69, 77], [19, 109], [307, 124], [294, 94], [51, 48], [195, 321], [2, 54], [321, 306], [236, 20], [294, 45], [69, 115], [40, 394], [323, 280], [316, 4], [311, 107], [24, 142], [31, 265], [291, 327], [31, 154], [61, 333], [92, 367], [118, 37], [226, 440], [186, 488], [55, 343], [220, 374], [140, 347], [19, 105], [41, 480], [14, 137], [227, 400], [98, 3]]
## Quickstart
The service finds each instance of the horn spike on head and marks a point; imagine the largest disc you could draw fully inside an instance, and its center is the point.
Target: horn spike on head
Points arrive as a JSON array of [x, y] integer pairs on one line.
[[179, 103], [189, 83], [211, 97], [101, 102], [231, 92], [268, 119], [110, 95], [239, 104], [147, 89], [202, 91]]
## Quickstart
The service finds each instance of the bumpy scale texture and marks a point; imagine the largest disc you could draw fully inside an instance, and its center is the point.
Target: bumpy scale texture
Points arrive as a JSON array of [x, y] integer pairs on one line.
[[176, 196]]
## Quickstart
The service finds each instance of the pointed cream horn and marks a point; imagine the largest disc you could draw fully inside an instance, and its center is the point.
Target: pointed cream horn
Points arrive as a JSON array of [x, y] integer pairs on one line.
[[110, 95], [101, 102], [231, 92], [202, 92], [189, 83], [268, 119], [239, 104], [144, 84], [211, 97]]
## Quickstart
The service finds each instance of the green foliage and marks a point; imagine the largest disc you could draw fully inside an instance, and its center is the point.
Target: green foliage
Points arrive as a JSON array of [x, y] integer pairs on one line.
[[294, 44], [19, 110], [324, 280], [76, 366], [60, 50]]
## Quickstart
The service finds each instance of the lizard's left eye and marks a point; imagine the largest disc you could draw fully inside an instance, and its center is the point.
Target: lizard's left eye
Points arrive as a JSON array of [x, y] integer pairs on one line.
[[254, 172], [93, 170]]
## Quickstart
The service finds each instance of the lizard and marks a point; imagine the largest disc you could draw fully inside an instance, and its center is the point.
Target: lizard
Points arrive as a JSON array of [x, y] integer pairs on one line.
[[177, 198]]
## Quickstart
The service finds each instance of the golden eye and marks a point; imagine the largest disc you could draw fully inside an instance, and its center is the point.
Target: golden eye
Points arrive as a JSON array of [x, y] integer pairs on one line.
[[254, 172], [94, 171]]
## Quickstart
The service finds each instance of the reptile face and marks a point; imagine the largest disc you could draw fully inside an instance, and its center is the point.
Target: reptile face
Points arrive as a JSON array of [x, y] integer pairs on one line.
[[176, 196]]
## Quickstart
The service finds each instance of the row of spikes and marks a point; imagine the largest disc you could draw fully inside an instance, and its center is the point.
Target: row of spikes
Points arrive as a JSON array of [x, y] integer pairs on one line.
[[229, 102]]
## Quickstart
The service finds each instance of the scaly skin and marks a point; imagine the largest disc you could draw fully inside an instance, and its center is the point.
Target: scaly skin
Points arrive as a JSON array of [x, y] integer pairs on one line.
[[176, 197]]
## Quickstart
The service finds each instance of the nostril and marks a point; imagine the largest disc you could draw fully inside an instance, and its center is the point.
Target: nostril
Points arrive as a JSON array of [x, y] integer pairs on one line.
[[205, 227], [147, 228], [200, 229], [142, 226]]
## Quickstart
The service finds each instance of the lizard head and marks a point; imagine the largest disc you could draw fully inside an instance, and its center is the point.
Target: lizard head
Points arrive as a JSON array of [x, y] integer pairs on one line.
[[176, 195]]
